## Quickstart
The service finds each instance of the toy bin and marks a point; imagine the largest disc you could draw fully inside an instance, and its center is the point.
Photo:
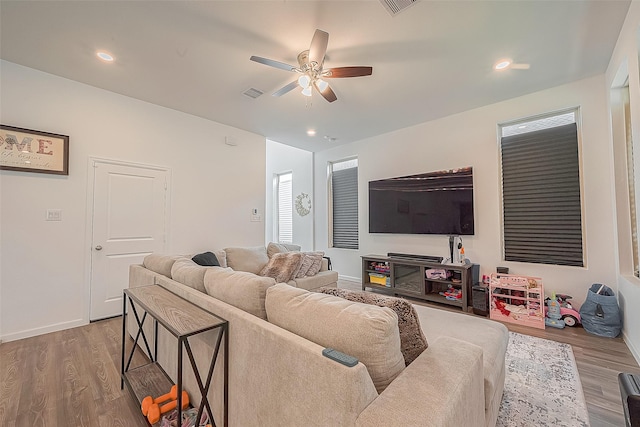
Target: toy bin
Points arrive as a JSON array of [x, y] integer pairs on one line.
[[379, 279]]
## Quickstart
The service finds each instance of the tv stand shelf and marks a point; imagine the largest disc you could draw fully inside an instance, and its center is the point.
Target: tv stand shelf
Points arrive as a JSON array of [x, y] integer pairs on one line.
[[408, 277]]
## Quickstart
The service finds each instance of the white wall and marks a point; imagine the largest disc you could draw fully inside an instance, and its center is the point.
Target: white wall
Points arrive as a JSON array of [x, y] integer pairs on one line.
[[43, 266], [626, 54], [281, 159], [470, 139]]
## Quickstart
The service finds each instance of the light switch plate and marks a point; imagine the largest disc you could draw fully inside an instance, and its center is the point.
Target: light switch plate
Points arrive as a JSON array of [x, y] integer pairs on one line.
[[54, 215]]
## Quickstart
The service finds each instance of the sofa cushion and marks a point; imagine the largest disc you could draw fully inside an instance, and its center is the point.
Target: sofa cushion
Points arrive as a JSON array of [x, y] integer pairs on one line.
[[207, 259], [187, 272], [282, 266], [367, 332], [240, 289], [491, 336], [221, 255], [276, 248], [251, 260], [412, 340], [160, 264]]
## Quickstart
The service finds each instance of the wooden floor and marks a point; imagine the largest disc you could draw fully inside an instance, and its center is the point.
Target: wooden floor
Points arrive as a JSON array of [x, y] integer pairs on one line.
[[71, 378], [66, 379]]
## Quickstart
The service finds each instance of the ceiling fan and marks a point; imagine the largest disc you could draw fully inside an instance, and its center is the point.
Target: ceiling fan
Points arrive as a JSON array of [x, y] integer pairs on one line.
[[310, 66]]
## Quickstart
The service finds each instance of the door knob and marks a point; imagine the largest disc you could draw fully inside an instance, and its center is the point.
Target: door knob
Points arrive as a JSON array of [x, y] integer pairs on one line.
[[98, 248]]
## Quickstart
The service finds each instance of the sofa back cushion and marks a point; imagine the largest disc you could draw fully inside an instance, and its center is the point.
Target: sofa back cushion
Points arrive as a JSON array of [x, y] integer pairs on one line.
[[160, 264], [367, 332], [251, 260], [276, 248], [412, 339], [240, 289], [187, 272]]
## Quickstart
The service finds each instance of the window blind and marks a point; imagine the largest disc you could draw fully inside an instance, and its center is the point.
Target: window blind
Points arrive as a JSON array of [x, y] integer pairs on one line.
[[541, 197], [285, 208], [344, 192]]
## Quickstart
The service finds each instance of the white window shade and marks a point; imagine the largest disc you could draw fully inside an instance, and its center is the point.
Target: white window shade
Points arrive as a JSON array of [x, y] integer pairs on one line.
[[285, 207]]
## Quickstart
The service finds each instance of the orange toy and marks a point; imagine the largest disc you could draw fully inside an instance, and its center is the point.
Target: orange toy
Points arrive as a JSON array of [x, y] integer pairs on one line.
[[148, 401], [156, 410]]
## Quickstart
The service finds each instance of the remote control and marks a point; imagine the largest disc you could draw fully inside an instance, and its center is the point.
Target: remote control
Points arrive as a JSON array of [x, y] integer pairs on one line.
[[340, 357]]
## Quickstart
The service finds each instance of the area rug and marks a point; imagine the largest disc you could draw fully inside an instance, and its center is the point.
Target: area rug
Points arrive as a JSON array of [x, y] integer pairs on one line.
[[542, 386]]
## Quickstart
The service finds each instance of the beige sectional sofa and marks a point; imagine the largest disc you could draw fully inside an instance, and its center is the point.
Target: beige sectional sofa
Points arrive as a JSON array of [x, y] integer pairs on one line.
[[279, 377]]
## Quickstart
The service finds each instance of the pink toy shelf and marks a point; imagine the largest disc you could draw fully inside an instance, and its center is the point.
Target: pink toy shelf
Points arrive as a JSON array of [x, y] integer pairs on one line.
[[517, 299]]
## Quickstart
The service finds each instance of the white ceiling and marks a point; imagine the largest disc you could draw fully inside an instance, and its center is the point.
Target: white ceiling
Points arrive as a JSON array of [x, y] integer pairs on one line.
[[432, 60]]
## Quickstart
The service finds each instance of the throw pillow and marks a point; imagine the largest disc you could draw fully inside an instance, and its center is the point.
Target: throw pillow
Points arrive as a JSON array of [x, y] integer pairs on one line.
[[207, 259], [276, 248], [412, 340], [305, 265], [251, 260], [367, 332], [282, 266], [316, 264]]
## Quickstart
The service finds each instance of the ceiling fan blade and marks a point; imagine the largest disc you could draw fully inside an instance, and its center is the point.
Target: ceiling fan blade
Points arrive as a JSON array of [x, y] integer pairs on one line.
[[288, 88], [327, 94], [318, 46], [272, 63], [340, 72]]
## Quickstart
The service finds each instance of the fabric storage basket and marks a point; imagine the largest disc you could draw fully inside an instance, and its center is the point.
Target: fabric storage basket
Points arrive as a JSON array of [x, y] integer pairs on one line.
[[600, 313], [379, 279]]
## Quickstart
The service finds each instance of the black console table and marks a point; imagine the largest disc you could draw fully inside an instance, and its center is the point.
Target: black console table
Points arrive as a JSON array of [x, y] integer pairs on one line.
[[182, 319], [408, 277]]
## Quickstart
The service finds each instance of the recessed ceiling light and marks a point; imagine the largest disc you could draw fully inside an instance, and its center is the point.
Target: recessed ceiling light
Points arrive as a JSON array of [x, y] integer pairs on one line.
[[522, 126], [311, 132], [501, 65], [105, 56]]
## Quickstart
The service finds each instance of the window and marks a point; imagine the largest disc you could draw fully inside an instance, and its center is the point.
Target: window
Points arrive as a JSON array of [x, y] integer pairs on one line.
[[343, 204], [541, 201], [284, 214]]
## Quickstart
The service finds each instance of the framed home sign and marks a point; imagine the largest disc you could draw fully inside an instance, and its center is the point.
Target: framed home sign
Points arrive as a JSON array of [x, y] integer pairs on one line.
[[33, 151]]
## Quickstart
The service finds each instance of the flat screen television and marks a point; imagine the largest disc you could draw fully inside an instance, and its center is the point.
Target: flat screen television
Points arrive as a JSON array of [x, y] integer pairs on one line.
[[429, 203]]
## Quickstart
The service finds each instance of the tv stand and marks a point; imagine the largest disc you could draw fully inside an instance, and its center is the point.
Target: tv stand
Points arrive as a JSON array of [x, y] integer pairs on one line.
[[420, 278]]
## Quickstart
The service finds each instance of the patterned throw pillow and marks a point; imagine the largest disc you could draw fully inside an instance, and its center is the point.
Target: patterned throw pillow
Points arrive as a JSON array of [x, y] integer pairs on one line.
[[412, 340], [282, 266], [311, 264]]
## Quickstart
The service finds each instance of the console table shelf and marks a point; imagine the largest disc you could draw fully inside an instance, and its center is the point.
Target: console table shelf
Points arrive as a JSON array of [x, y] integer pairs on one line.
[[408, 277], [181, 319]]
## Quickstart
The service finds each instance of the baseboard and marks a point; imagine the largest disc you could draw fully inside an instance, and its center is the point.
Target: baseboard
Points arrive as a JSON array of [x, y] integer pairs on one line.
[[349, 278], [635, 352], [43, 330]]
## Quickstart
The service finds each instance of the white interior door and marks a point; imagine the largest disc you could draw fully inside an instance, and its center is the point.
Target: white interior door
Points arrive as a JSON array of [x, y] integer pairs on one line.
[[129, 222]]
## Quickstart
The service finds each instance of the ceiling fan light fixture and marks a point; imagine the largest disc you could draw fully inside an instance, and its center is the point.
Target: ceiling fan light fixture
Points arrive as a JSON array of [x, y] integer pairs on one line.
[[322, 85], [306, 91], [304, 81]]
